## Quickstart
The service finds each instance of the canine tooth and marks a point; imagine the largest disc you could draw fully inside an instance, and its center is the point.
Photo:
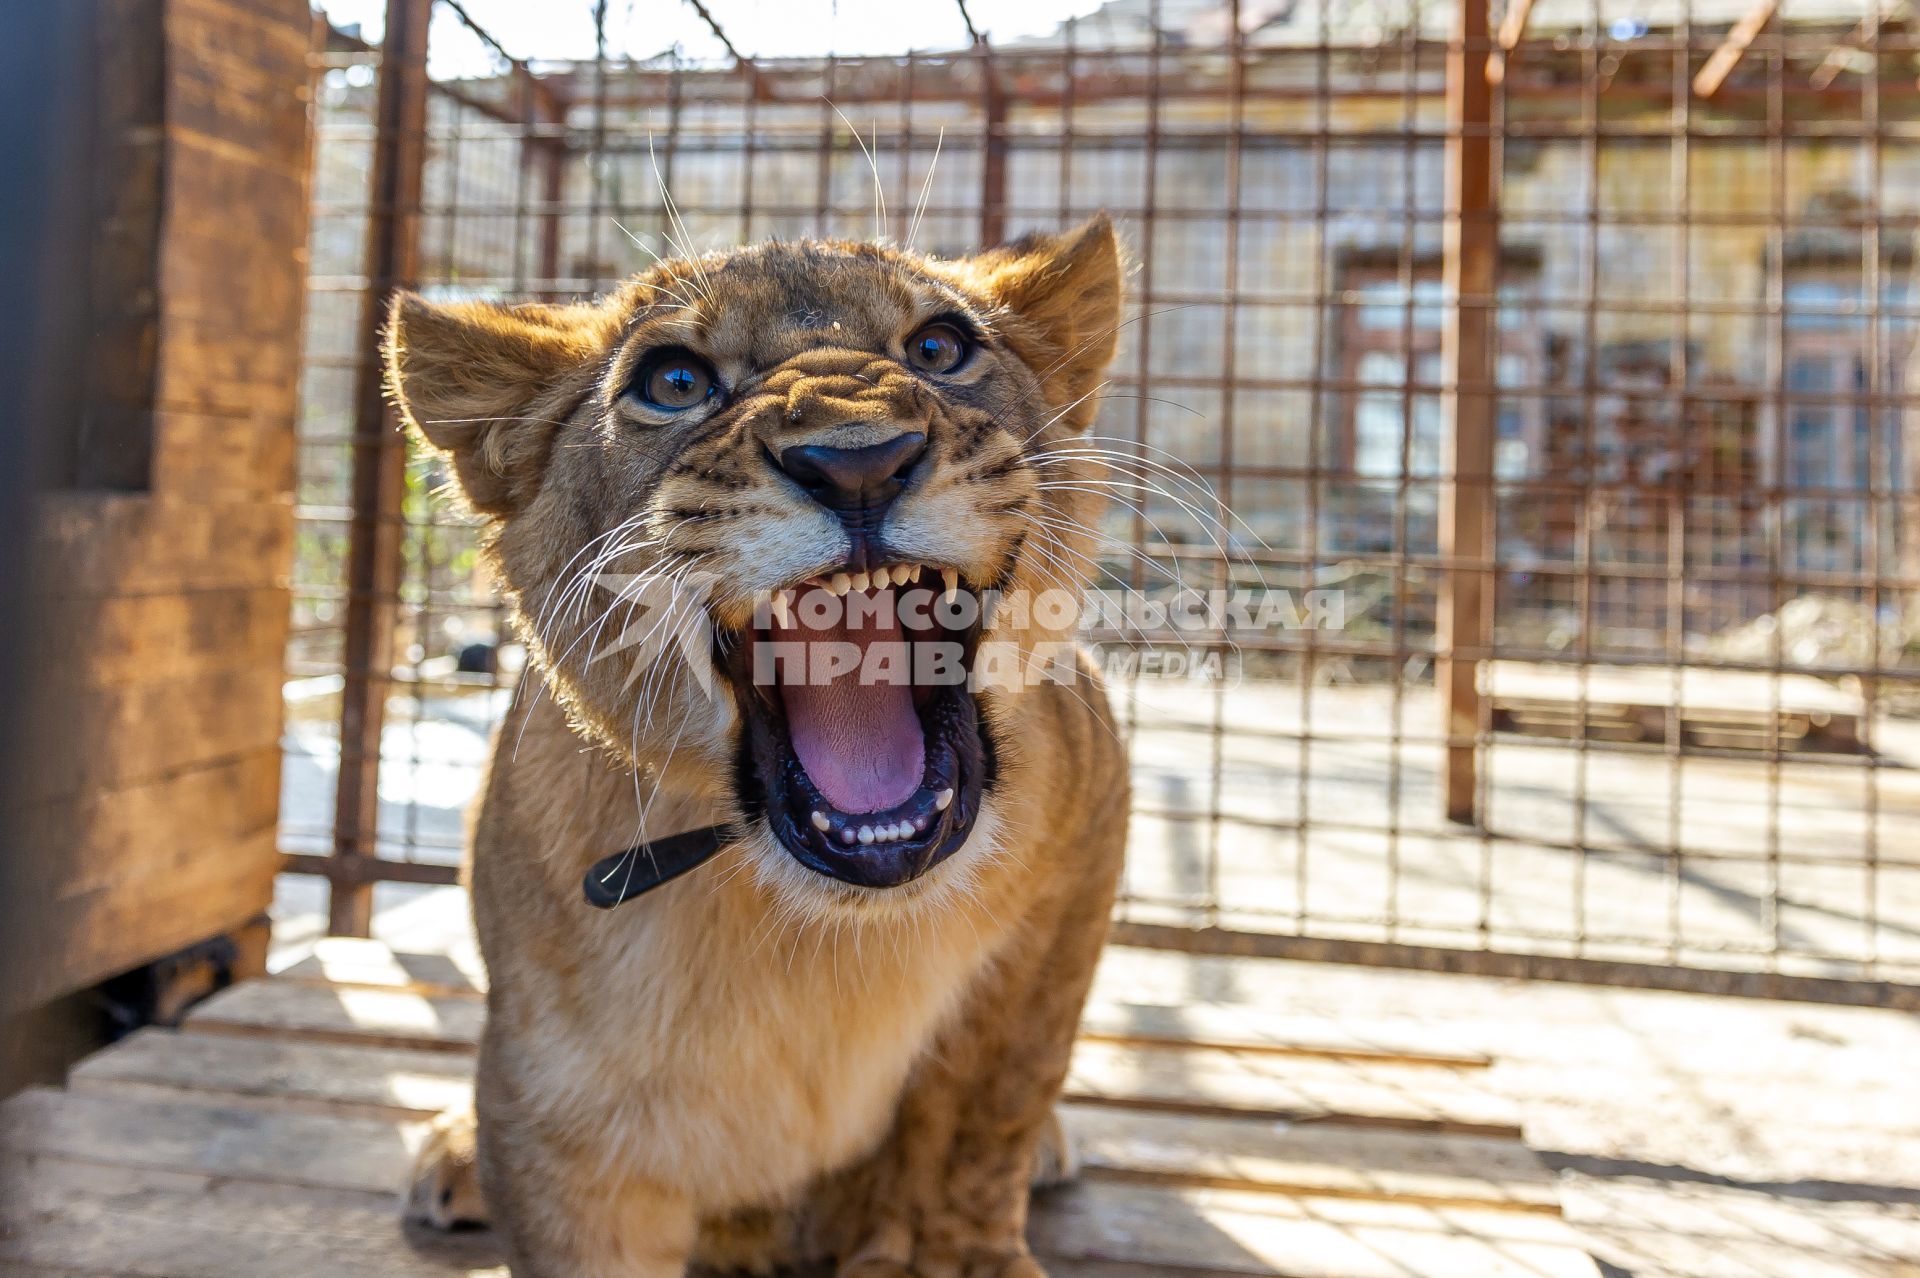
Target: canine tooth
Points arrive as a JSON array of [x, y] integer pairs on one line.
[[861, 581], [820, 822], [952, 579], [942, 799], [783, 613], [866, 834], [840, 583]]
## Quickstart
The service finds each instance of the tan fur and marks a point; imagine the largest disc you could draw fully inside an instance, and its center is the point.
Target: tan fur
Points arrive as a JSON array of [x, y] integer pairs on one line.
[[756, 1066]]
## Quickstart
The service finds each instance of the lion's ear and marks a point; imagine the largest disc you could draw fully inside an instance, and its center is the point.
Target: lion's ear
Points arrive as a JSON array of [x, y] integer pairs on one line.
[[1064, 291], [488, 385]]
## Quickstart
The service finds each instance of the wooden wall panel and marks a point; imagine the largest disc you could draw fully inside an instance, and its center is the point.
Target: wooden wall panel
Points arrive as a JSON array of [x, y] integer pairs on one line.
[[126, 734], [123, 544], [153, 793]]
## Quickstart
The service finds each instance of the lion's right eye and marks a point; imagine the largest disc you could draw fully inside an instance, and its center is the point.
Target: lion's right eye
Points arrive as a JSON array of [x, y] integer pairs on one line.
[[676, 380]]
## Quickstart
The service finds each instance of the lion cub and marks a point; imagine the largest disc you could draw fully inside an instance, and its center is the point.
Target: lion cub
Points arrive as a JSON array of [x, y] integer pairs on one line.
[[760, 515]]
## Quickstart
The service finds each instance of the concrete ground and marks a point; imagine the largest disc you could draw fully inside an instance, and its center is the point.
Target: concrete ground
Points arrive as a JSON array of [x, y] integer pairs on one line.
[[1318, 810]]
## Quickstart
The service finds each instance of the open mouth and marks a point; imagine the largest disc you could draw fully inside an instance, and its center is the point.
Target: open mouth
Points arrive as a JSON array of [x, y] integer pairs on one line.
[[864, 748]]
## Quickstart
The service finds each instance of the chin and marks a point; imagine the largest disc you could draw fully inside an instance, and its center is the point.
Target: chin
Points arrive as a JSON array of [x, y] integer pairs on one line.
[[868, 779]]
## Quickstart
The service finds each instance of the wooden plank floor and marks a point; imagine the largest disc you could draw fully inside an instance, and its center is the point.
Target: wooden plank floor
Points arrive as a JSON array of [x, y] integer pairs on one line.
[[269, 1135]]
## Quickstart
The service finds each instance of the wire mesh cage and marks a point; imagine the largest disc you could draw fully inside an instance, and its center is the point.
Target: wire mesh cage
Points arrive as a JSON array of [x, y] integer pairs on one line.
[[1548, 362]]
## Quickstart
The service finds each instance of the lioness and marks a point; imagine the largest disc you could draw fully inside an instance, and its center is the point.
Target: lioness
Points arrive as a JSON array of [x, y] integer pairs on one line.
[[835, 1045]]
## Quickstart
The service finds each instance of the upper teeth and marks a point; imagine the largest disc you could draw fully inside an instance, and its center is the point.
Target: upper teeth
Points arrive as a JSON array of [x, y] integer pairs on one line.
[[877, 579]]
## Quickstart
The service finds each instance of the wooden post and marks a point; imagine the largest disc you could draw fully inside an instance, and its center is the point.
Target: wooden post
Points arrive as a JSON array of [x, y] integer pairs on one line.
[[1472, 248], [379, 464]]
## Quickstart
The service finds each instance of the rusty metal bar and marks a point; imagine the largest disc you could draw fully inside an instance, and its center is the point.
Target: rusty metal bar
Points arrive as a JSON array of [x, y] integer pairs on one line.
[[993, 157], [379, 466], [1471, 259], [553, 183], [363, 873]]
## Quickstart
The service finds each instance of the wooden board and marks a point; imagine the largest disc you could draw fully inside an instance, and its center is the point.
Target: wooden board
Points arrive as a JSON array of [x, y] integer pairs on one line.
[[291, 1073], [1278, 1087], [356, 961], [168, 1225], [132, 544], [172, 821], [269, 1137], [96, 1220], [1158, 1073], [144, 639], [343, 1014], [1728, 708], [1215, 1147], [149, 913]]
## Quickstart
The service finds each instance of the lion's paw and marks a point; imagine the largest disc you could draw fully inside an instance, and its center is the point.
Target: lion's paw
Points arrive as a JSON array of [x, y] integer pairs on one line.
[[443, 1190], [1056, 1162]]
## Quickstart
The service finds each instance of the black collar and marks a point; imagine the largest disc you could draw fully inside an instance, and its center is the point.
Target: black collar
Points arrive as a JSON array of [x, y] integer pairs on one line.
[[625, 875]]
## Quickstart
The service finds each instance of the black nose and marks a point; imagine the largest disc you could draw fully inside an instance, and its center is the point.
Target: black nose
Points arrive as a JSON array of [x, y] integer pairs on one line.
[[851, 480]]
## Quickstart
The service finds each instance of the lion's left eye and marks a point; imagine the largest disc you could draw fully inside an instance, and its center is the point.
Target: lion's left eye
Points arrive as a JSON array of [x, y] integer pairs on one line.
[[676, 380], [937, 348]]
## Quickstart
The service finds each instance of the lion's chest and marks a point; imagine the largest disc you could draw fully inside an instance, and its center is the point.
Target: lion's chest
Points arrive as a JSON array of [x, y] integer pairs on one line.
[[737, 1076]]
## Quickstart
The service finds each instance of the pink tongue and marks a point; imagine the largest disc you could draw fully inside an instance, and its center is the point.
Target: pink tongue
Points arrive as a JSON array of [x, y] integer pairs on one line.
[[860, 742]]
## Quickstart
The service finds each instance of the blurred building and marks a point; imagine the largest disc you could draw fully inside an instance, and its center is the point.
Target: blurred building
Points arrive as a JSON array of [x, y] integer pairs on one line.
[[1705, 305]]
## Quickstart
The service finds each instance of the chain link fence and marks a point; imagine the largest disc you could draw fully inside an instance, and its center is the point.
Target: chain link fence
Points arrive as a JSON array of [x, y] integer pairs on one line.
[[1549, 363]]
